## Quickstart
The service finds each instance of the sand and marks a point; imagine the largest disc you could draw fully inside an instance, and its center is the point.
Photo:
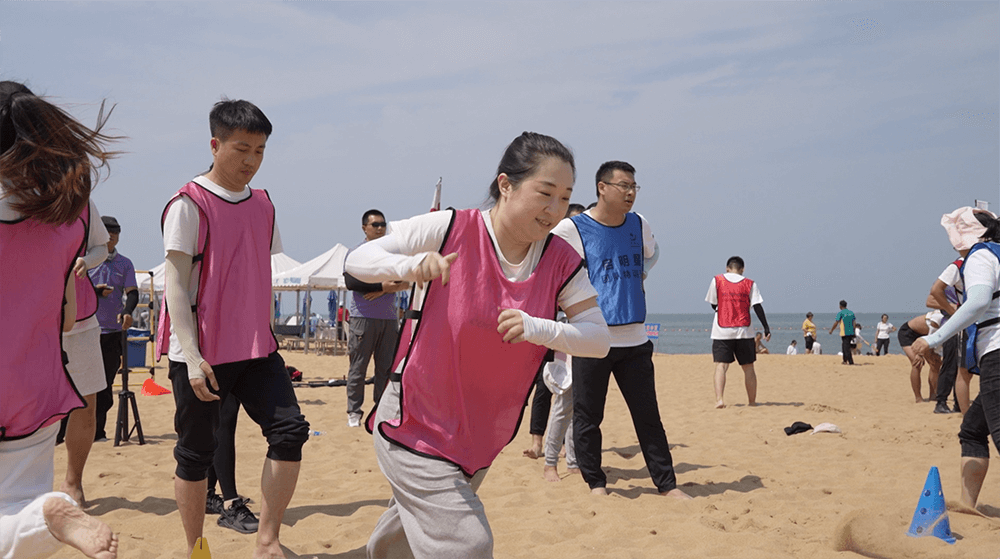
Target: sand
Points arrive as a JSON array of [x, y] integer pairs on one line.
[[758, 492]]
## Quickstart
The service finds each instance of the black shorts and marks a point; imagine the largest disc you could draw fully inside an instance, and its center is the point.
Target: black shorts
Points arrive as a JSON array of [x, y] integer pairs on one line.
[[907, 335], [743, 351], [809, 342]]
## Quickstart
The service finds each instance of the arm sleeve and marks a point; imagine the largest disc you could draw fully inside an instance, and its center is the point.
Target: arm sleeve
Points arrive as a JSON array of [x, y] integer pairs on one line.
[[177, 275], [585, 335], [970, 312], [131, 300], [354, 284], [759, 309]]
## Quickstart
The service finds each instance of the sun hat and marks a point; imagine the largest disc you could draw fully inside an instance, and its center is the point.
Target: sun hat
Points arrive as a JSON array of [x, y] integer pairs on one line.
[[964, 230]]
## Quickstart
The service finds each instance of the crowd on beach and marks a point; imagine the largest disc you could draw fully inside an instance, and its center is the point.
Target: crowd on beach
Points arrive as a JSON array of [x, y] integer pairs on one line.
[[533, 293]]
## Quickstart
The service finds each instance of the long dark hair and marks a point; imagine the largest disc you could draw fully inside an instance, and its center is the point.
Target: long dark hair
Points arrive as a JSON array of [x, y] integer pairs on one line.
[[992, 225], [522, 156], [48, 160]]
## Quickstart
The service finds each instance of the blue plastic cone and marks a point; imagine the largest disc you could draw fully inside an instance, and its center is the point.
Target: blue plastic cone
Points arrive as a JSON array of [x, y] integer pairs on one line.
[[931, 516]]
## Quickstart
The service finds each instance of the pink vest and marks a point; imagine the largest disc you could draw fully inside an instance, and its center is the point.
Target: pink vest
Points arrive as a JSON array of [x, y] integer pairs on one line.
[[233, 305], [463, 389], [734, 301], [86, 296], [35, 389]]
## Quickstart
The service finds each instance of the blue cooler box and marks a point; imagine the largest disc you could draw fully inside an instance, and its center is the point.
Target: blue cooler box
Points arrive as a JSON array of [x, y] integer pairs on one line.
[[137, 348]]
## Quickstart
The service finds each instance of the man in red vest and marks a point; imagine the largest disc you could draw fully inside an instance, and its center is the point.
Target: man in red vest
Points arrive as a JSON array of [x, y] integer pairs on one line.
[[731, 296]]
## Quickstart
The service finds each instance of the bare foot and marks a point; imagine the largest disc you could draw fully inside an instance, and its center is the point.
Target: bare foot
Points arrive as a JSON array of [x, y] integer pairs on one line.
[[599, 491], [534, 452], [75, 528], [550, 473], [720, 404], [573, 471], [268, 551], [74, 491], [562, 452], [752, 404], [676, 493], [919, 401]]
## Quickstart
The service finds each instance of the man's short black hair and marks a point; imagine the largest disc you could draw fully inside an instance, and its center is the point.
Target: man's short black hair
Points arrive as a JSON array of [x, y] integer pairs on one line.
[[735, 262], [228, 116], [369, 213], [843, 304], [607, 168]]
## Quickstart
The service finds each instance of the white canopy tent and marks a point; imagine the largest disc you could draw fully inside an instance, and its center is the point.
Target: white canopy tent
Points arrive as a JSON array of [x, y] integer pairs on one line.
[[280, 263], [323, 273]]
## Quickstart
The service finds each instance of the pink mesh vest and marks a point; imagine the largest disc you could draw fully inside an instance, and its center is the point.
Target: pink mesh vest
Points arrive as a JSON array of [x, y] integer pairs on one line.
[[233, 305], [35, 389], [86, 297], [463, 389]]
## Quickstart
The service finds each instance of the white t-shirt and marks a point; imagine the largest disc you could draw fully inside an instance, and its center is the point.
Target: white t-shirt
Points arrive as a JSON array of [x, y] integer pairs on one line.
[[626, 335], [882, 330], [97, 237], [792, 350], [739, 332], [951, 277], [983, 268], [180, 233]]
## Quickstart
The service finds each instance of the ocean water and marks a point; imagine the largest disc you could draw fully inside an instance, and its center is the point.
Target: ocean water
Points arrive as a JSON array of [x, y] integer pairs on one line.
[[692, 333]]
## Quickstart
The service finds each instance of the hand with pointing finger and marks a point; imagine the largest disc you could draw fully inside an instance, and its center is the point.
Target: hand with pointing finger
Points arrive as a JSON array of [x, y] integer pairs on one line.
[[434, 266]]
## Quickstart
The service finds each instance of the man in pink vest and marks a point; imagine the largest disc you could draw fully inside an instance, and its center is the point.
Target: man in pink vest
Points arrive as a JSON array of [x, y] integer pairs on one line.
[[218, 235], [731, 296]]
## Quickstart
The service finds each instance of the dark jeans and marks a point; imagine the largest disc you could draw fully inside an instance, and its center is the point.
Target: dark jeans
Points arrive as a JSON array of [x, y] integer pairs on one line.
[[633, 370], [111, 349], [949, 370], [983, 418], [223, 469], [368, 337], [845, 348], [882, 346], [265, 390], [541, 403]]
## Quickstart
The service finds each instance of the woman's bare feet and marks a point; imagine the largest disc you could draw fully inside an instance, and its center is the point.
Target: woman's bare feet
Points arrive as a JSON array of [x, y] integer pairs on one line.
[[77, 529], [720, 404], [535, 451], [550, 473], [676, 493]]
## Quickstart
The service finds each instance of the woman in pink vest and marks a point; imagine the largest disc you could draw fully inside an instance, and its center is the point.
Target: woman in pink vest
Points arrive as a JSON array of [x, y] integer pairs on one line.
[[488, 286], [45, 181]]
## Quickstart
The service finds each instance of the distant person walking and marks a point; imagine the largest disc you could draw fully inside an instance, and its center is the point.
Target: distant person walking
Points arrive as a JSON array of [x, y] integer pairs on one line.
[[732, 296], [845, 319], [882, 331], [809, 332]]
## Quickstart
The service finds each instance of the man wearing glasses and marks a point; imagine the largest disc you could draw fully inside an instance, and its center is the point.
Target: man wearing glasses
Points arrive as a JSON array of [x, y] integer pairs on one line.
[[619, 249], [372, 328]]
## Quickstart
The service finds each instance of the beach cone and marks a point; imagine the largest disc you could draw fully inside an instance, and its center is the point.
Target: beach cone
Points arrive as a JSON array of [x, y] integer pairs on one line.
[[150, 388], [200, 550], [931, 516]]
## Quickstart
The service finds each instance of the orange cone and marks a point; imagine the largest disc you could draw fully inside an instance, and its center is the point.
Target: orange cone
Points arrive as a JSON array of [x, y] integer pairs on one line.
[[150, 388]]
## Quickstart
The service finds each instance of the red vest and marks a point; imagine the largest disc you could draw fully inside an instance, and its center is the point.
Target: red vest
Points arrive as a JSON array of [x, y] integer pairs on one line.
[[86, 296], [233, 305], [734, 301], [463, 390], [35, 389]]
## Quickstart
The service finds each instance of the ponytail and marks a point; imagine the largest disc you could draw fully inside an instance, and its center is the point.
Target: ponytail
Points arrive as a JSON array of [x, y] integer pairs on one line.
[[48, 160]]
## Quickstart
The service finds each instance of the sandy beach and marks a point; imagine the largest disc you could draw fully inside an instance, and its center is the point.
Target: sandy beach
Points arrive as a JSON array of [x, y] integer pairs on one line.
[[758, 492]]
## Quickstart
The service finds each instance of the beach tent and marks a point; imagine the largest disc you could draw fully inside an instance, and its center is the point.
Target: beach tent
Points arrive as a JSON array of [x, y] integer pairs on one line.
[[323, 273]]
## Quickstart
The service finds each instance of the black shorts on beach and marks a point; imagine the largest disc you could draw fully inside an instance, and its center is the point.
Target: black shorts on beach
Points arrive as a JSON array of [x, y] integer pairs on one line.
[[906, 335], [743, 351], [809, 342]]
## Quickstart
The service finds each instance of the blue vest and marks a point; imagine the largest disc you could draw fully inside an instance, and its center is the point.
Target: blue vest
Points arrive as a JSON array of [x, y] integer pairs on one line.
[[971, 359], [614, 263]]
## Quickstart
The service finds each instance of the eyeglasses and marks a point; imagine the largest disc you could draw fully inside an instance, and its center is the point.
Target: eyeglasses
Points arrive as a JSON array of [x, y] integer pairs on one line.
[[625, 187], [378, 224]]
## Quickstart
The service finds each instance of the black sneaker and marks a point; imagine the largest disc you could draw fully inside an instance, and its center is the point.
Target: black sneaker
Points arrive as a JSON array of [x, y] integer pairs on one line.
[[957, 408], [238, 517], [941, 407], [214, 503]]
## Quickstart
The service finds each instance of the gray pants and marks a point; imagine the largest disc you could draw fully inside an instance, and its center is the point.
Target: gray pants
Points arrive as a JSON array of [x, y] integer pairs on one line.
[[560, 430], [369, 336], [434, 512]]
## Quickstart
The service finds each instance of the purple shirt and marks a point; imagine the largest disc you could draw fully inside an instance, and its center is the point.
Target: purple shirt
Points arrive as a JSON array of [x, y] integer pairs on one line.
[[383, 307], [118, 273]]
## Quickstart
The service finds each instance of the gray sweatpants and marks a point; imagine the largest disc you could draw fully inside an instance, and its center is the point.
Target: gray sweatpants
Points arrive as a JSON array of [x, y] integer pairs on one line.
[[560, 430], [434, 512], [369, 336]]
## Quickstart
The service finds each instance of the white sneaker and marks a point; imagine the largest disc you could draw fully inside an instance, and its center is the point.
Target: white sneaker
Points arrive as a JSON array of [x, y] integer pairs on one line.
[[354, 420]]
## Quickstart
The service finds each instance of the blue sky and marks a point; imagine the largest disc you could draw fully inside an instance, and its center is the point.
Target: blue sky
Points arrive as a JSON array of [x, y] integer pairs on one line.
[[820, 141]]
